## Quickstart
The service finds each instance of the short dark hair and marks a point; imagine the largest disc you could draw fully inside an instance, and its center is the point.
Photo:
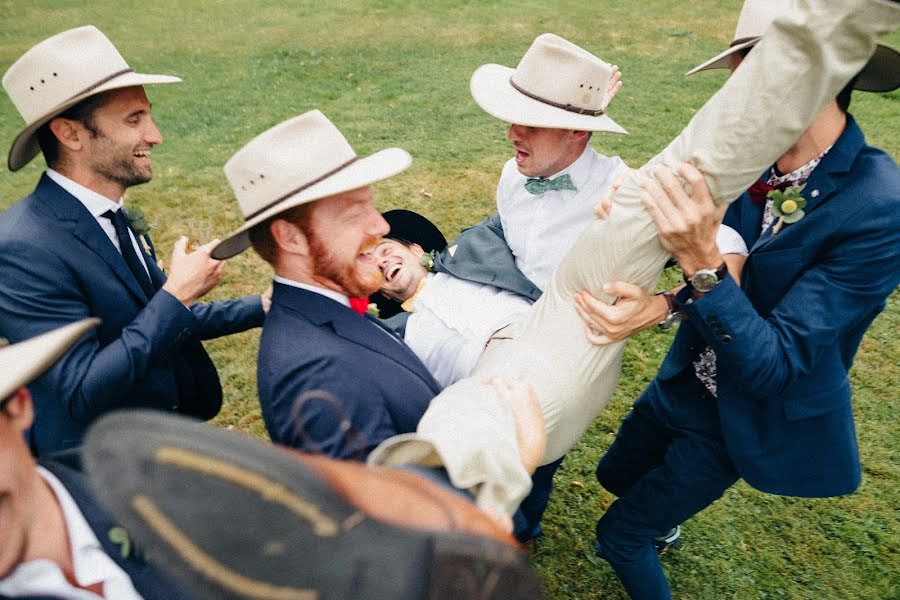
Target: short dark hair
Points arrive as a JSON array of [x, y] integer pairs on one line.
[[83, 112], [261, 234]]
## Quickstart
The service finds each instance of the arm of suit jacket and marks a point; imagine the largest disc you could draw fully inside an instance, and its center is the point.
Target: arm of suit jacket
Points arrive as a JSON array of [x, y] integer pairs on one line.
[[89, 380], [314, 425], [215, 319], [845, 286]]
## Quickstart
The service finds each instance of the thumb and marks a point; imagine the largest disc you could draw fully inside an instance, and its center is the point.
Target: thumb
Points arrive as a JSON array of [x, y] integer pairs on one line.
[[623, 290], [180, 247]]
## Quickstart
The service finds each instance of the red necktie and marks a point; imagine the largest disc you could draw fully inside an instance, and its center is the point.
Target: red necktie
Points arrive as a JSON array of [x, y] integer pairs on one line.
[[360, 304], [760, 189]]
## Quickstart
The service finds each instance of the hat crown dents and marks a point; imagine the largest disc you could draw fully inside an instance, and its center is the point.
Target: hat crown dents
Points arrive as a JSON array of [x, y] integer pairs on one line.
[[60, 68], [557, 70], [285, 158], [756, 16]]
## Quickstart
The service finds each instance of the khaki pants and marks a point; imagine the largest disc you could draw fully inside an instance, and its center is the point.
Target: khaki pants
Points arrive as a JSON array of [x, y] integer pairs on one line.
[[799, 66]]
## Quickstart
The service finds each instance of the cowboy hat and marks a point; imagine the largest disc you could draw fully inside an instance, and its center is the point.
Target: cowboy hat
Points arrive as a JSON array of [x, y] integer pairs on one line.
[[407, 226], [298, 161], [57, 74], [881, 73], [22, 363], [556, 85]]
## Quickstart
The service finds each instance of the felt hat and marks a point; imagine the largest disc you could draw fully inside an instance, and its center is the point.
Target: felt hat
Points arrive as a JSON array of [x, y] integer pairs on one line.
[[556, 85], [298, 161], [22, 363], [881, 73], [60, 72]]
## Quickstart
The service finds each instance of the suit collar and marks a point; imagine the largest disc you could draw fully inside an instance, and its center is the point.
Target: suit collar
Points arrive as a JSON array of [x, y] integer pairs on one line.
[[71, 214], [361, 330]]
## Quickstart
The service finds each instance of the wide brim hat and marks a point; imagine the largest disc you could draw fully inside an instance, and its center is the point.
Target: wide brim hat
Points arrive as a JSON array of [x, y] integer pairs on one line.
[[881, 73], [408, 226], [22, 363], [556, 85], [298, 161], [60, 72]]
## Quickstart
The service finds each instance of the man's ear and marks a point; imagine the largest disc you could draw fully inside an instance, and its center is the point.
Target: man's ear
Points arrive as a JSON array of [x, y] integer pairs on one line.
[[289, 237], [71, 134], [416, 249], [19, 409]]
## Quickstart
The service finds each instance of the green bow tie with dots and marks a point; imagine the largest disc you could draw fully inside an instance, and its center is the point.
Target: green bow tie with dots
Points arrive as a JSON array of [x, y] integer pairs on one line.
[[539, 185]]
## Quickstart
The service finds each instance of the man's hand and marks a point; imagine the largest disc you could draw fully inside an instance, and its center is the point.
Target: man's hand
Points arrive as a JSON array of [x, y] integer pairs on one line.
[[526, 409], [191, 275], [685, 215], [634, 310], [615, 84], [266, 298], [602, 208]]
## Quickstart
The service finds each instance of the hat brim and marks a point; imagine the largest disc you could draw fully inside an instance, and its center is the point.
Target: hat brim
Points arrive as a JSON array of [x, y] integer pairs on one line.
[[493, 92], [25, 361], [376, 167], [25, 146], [881, 73]]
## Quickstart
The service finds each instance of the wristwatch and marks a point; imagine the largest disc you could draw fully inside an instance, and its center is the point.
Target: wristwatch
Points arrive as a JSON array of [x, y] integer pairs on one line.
[[674, 315], [706, 279]]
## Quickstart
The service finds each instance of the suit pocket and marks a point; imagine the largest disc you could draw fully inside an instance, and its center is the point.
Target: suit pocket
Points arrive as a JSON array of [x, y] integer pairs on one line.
[[807, 406]]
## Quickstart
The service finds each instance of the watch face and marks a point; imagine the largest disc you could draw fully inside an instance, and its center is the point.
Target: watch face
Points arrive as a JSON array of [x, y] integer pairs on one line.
[[704, 280]]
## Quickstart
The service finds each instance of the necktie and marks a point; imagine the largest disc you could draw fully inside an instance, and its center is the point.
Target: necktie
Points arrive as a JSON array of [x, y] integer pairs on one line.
[[360, 304], [539, 185], [120, 223], [760, 189]]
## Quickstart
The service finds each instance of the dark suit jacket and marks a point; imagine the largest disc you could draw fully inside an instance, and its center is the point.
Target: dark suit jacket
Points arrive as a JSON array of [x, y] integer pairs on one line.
[[147, 580], [58, 266], [311, 343], [786, 339]]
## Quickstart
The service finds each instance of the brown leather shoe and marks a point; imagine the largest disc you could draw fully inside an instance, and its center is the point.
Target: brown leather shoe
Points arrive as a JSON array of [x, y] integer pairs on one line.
[[232, 517]]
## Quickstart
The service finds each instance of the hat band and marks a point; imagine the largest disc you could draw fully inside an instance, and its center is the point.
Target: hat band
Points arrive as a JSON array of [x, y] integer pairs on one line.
[[743, 40], [568, 107], [101, 82], [283, 197]]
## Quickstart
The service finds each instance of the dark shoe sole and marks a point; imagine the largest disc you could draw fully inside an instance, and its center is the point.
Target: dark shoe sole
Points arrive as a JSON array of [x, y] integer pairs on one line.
[[232, 517]]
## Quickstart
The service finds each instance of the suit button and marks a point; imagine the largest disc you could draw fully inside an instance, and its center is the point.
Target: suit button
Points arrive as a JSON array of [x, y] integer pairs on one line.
[[725, 338]]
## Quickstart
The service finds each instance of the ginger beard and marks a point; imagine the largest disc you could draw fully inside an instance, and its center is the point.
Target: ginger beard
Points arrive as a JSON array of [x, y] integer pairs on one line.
[[356, 275]]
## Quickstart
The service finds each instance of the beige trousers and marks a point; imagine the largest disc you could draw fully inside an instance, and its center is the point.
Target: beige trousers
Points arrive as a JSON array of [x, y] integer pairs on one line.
[[799, 66]]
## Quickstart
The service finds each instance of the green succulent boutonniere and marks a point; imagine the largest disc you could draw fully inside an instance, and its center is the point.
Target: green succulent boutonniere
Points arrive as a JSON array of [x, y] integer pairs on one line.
[[787, 205], [139, 223], [373, 310], [427, 261]]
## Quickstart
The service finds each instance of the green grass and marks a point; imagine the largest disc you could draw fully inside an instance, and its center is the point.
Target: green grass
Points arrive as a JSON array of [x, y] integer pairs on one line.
[[396, 73]]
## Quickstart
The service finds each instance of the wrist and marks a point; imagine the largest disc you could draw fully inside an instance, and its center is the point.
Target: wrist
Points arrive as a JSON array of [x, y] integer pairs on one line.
[[178, 294], [692, 263]]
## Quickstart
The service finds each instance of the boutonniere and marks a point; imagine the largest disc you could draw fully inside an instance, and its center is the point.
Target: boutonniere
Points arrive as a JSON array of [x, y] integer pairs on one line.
[[139, 223], [787, 205], [373, 310], [427, 261], [118, 536]]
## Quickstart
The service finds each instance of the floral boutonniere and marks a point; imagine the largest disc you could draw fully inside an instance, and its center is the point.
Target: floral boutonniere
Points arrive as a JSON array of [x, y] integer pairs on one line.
[[139, 223], [373, 310], [118, 536], [787, 205], [427, 261]]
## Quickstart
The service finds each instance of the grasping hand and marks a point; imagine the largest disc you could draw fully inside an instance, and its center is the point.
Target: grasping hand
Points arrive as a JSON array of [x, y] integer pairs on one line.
[[530, 433], [192, 275], [266, 298], [602, 208], [633, 311], [615, 84]]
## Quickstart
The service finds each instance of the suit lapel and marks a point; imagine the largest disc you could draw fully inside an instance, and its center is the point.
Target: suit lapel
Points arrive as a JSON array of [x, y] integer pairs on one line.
[[363, 331], [71, 214]]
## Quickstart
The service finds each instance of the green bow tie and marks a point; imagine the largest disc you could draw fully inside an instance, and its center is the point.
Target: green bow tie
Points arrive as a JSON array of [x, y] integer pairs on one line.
[[539, 185]]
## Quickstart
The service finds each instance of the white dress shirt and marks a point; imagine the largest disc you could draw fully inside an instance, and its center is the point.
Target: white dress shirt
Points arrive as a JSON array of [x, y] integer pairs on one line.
[[334, 295], [98, 204], [453, 320], [42, 577], [540, 229]]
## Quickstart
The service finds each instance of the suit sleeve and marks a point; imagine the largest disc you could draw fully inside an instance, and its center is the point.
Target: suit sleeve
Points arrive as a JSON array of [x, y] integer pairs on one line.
[[88, 380], [844, 287], [215, 319]]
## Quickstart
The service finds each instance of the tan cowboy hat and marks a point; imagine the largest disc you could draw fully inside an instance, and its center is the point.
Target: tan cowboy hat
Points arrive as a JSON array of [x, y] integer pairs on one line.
[[303, 159], [22, 363], [881, 73], [556, 85], [60, 72]]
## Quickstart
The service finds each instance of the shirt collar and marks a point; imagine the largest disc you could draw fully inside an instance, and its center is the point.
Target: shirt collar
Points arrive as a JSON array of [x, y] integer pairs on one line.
[[96, 204], [801, 174], [579, 170], [336, 296]]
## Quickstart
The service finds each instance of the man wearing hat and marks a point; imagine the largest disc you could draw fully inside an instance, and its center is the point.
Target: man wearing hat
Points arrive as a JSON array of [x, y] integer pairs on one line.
[[69, 251], [57, 542], [331, 378], [756, 384], [755, 118]]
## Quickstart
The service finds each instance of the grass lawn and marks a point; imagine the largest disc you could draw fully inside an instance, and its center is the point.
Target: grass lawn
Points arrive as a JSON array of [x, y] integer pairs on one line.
[[396, 73]]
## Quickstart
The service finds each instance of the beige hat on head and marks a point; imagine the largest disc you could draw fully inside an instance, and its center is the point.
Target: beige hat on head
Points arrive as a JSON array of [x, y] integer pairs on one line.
[[303, 159], [557, 85], [22, 363], [60, 72], [881, 73]]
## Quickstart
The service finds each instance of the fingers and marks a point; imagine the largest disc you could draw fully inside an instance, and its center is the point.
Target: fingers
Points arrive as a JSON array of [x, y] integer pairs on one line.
[[673, 187], [180, 246], [603, 208], [623, 290], [658, 204]]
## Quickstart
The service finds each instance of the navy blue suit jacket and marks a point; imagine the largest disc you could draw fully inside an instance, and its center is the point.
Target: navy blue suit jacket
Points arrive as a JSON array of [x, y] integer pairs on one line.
[[786, 339], [355, 370], [58, 266], [146, 579]]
